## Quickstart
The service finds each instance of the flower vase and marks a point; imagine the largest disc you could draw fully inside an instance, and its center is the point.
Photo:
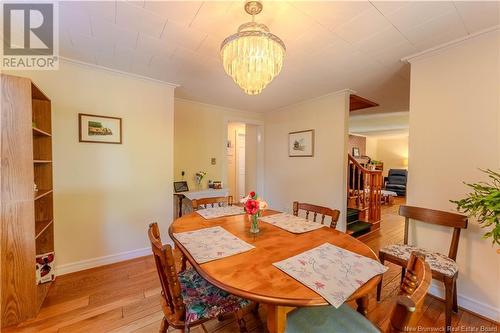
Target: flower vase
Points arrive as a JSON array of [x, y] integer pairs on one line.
[[254, 224]]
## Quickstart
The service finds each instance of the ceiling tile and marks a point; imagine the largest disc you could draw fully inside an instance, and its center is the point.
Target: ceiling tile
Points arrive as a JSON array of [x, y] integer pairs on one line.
[[135, 18], [381, 40], [92, 44], [177, 34], [74, 20], [414, 13], [114, 34], [366, 24], [181, 12], [332, 14], [213, 18], [479, 15], [101, 9], [154, 46], [437, 31]]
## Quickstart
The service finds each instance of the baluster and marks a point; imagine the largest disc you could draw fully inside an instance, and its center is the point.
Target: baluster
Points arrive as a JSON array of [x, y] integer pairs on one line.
[[314, 218]]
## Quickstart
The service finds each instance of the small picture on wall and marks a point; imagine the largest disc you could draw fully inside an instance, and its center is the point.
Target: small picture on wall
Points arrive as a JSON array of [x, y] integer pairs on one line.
[[99, 129], [301, 144], [355, 152]]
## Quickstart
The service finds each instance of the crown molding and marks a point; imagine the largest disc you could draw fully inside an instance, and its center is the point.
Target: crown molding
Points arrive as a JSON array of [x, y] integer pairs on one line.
[[115, 71], [432, 50]]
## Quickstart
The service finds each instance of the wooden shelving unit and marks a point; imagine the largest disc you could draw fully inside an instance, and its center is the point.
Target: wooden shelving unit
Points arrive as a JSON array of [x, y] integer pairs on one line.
[[27, 218]]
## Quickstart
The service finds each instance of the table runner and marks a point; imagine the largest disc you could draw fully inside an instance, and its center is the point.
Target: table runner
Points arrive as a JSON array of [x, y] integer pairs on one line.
[[216, 212], [330, 271], [209, 244], [291, 223]]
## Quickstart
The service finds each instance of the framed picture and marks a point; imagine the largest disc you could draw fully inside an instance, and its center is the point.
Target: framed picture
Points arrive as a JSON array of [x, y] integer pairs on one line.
[[181, 186], [301, 144], [355, 152], [99, 129]]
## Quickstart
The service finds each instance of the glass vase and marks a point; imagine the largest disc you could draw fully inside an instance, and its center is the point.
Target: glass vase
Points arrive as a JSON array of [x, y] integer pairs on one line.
[[254, 224]]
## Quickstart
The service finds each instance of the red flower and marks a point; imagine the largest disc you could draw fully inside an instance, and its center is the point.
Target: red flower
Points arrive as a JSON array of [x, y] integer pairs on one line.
[[252, 206], [252, 195]]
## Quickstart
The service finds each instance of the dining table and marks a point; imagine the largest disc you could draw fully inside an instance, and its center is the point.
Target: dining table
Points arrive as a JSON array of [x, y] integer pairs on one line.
[[251, 274]]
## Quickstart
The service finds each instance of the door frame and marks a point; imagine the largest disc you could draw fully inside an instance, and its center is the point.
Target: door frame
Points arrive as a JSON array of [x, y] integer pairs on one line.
[[260, 150]]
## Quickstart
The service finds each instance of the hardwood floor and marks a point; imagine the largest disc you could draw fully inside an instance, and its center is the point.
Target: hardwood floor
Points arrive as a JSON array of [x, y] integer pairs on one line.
[[125, 297]]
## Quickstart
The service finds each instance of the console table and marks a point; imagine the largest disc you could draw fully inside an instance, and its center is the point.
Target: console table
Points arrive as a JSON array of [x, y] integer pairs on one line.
[[191, 195]]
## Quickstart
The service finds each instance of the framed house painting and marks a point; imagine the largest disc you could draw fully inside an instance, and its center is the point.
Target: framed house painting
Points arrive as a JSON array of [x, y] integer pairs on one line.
[[355, 152], [99, 129], [301, 143]]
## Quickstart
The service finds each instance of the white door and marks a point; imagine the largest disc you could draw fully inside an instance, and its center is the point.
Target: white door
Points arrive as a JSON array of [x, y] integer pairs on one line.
[[240, 165]]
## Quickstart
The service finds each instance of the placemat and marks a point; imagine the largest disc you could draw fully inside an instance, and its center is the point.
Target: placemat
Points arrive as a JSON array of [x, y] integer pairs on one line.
[[213, 243], [216, 212], [330, 271], [291, 223]]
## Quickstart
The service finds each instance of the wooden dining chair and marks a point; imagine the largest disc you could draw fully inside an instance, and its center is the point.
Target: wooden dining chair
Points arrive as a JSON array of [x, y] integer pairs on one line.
[[323, 211], [404, 316], [187, 299], [444, 268], [212, 202]]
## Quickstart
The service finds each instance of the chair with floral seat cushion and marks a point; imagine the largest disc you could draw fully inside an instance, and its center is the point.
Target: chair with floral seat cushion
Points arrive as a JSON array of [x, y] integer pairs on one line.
[[187, 299], [444, 268], [403, 317]]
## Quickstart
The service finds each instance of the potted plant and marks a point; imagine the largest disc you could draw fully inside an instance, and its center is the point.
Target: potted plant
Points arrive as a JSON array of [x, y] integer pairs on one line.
[[483, 203]]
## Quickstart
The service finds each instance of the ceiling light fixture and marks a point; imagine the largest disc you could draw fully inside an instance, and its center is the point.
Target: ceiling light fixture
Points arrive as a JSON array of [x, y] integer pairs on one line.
[[253, 56]]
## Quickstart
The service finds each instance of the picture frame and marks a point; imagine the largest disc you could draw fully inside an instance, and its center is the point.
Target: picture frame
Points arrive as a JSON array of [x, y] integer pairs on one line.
[[301, 143], [355, 152], [99, 129], [181, 186]]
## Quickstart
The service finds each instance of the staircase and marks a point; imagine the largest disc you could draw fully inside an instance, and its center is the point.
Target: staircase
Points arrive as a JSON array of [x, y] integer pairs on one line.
[[363, 198]]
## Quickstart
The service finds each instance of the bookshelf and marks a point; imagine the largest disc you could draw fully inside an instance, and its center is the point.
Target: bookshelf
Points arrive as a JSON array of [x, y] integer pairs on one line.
[[27, 214]]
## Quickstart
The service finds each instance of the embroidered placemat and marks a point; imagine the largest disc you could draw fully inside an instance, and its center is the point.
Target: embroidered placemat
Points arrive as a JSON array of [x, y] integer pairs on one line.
[[330, 271], [291, 223], [209, 244], [216, 212]]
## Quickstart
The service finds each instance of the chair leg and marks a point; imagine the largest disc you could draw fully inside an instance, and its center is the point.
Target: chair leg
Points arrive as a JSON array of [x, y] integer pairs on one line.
[[403, 272], [241, 321], [183, 262], [448, 287], [455, 303], [164, 325], [379, 285]]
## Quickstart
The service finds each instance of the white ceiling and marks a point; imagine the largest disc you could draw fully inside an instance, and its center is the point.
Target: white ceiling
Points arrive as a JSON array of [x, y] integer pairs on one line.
[[330, 45]]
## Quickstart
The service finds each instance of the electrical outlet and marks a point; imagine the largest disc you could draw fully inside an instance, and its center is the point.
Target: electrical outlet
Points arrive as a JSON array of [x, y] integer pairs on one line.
[[213, 161]]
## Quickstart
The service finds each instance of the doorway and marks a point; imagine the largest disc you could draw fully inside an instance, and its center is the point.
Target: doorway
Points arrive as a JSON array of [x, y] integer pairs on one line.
[[241, 159]]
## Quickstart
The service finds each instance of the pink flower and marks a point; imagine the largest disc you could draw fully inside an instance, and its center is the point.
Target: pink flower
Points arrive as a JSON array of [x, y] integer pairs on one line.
[[319, 285], [252, 195]]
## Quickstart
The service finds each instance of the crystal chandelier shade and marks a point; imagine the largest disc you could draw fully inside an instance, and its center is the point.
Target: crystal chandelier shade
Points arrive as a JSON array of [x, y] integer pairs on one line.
[[253, 56]]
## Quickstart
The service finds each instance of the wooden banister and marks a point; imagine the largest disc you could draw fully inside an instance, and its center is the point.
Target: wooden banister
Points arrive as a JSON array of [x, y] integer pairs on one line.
[[364, 188]]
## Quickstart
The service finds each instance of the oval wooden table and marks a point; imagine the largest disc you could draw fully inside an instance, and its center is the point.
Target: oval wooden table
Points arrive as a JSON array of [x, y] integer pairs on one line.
[[251, 274]]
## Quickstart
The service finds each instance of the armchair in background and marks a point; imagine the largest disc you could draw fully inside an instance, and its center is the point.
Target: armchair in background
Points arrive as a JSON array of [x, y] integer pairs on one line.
[[396, 181]]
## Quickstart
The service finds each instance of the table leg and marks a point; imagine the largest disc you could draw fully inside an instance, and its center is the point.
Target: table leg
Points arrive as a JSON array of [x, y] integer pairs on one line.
[[362, 303], [276, 318]]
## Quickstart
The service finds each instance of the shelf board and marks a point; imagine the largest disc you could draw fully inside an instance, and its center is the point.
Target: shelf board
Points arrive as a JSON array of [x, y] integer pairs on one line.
[[42, 161], [39, 132], [41, 226], [41, 193]]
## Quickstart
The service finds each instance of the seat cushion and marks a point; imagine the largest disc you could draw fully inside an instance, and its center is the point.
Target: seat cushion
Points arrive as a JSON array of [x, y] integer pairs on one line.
[[204, 300], [438, 262], [325, 319]]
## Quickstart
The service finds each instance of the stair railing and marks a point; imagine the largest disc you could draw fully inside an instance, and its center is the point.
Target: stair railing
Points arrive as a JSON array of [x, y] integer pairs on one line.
[[364, 188]]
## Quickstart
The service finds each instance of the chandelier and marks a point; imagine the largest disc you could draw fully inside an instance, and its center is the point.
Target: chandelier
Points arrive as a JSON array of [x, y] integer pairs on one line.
[[253, 56]]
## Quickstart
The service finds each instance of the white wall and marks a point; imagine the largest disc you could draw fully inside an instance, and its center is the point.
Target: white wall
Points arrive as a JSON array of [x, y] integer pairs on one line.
[[251, 157], [391, 150], [200, 134], [232, 130], [105, 195], [454, 131], [319, 179]]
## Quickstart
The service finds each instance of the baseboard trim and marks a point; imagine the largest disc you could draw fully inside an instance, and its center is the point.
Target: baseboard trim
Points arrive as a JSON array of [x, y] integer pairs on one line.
[[468, 304], [101, 261]]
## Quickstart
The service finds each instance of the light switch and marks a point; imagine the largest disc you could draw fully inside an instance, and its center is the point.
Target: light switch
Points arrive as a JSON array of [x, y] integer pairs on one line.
[[213, 161]]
